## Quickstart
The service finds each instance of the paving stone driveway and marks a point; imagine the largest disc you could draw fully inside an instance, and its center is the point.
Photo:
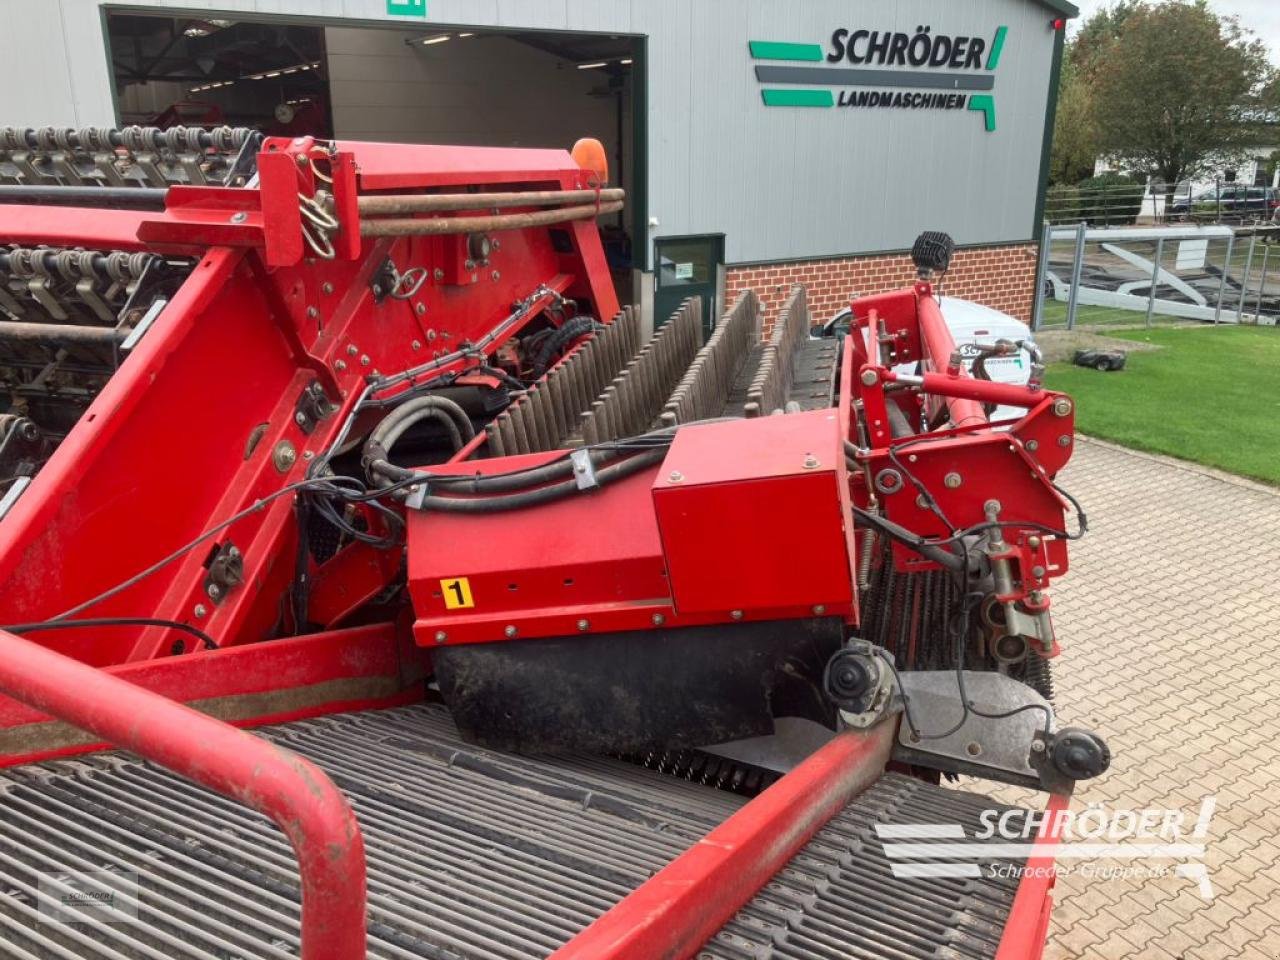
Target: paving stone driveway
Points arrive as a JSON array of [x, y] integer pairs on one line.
[[1170, 623]]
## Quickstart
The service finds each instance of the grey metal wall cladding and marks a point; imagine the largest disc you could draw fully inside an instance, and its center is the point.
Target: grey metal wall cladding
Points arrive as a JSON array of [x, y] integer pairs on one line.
[[781, 182]]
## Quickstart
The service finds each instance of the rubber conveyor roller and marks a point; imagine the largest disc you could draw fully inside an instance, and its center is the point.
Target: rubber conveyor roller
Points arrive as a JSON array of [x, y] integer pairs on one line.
[[471, 855]]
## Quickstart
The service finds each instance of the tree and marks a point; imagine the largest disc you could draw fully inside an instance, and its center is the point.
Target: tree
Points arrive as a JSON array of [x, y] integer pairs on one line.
[[1178, 90], [1074, 133], [1074, 136], [1096, 35]]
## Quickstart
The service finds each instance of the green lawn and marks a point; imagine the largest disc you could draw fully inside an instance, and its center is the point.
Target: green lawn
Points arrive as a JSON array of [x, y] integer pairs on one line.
[[1054, 316], [1211, 395]]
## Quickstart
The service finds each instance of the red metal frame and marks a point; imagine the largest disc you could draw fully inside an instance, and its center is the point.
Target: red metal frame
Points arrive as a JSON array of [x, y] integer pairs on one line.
[[1027, 928], [362, 668], [183, 435], [1015, 464], [297, 795], [674, 912]]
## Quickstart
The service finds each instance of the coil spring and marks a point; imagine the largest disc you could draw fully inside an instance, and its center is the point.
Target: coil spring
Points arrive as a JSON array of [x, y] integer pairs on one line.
[[74, 265], [1038, 675], [134, 139]]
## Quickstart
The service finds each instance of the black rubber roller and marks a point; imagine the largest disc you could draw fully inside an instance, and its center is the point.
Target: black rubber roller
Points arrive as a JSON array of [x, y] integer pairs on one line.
[[1079, 754], [849, 678]]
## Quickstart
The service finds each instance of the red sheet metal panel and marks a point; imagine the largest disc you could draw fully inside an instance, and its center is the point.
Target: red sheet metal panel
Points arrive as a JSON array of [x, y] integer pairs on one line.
[[751, 515], [754, 530], [596, 557], [384, 166]]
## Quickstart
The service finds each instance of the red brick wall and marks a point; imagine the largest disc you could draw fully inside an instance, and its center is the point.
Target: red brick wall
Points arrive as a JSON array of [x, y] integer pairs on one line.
[[1000, 277]]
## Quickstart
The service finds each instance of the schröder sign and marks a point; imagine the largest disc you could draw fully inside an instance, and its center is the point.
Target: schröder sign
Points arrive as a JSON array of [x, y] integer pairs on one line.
[[939, 71]]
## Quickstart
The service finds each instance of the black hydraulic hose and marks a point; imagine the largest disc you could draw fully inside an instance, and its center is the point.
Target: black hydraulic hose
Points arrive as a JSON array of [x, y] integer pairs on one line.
[[541, 495], [518, 479], [930, 551], [410, 410], [377, 448], [555, 344]]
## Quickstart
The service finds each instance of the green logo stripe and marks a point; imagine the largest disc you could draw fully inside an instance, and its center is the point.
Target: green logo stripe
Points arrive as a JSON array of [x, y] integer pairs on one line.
[[768, 50], [987, 104], [997, 44], [406, 8], [798, 98]]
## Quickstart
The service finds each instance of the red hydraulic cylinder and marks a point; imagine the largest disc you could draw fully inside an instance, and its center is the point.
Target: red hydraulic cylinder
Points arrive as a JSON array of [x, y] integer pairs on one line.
[[938, 346], [984, 391], [292, 791], [674, 912]]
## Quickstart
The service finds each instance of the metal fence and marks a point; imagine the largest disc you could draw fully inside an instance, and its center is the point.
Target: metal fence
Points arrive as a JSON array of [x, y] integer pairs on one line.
[[1134, 276], [1135, 204]]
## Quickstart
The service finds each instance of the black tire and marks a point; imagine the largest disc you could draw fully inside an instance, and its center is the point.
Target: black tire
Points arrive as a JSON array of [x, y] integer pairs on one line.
[[1102, 363]]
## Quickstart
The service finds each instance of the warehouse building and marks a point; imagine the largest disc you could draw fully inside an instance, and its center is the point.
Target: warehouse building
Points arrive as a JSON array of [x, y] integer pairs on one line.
[[761, 142]]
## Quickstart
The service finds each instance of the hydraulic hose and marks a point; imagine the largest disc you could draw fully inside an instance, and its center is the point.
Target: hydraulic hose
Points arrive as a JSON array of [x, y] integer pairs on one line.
[[377, 448], [930, 551], [478, 484], [546, 494]]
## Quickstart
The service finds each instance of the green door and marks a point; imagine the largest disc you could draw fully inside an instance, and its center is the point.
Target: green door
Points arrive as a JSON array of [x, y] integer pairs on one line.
[[687, 267]]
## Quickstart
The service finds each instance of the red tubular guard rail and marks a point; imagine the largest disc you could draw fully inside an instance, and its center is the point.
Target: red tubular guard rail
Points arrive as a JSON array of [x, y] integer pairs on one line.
[[674, 912], [1027, 928], [293, 792]]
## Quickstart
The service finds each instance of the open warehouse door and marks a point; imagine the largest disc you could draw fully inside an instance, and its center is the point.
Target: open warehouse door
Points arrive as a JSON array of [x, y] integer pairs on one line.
[[388, 83]]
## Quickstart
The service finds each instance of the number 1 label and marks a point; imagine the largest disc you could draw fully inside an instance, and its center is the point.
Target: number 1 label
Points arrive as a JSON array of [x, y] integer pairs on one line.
[[457, 593]]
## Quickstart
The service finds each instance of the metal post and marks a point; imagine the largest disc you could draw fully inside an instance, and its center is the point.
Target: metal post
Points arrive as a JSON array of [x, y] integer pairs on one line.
[[1262, 281], [1042, 268], [1222, 283], [1077, 267], [1244, 282], [1155, 279]]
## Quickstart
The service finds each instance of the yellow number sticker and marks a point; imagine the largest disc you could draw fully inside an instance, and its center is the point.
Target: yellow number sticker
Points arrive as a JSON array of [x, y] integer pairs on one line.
[[457, 593]]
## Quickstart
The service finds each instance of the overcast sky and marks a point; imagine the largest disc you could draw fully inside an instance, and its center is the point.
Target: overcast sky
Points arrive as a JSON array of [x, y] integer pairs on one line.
[[1260, 16]]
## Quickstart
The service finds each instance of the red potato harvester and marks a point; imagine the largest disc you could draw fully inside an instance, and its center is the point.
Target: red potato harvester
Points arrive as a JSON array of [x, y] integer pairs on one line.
[[564, 638]]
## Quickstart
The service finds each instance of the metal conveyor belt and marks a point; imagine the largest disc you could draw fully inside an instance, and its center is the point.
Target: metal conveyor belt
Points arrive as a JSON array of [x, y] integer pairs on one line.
[[471, 855]]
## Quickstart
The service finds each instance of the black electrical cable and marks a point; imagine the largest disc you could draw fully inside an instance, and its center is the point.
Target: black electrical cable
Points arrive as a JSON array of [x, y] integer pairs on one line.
[[921, 489], [21, 628], [184, 549], [962, 635], [323, 492], [967, 706], [328, 486]]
